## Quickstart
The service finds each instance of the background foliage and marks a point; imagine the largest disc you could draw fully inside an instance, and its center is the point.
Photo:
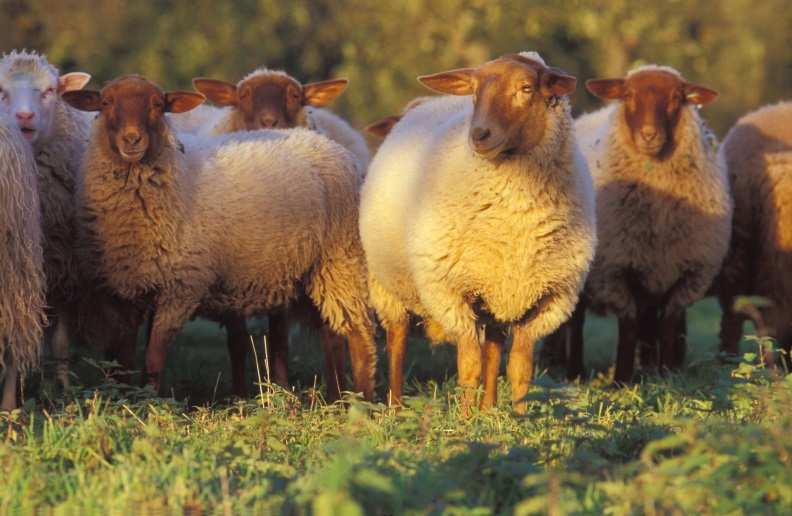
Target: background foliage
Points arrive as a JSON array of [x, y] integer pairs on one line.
[[739, 47]]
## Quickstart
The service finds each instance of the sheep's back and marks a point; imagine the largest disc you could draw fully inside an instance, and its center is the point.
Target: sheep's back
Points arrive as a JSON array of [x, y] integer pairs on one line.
[[758, 153], [271, 201], [339, 130]]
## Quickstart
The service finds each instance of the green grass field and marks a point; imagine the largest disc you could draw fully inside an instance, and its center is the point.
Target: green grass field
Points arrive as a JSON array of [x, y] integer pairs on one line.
[[714, 439]]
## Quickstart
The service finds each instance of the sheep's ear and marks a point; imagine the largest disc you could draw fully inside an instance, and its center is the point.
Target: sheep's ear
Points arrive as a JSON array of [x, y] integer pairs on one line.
[[452, 82], [555, 82], [84, 100], [610, 89], [219, 92], [181, 101], [381, 128], [324, 92], [72, 81], [695, 94]]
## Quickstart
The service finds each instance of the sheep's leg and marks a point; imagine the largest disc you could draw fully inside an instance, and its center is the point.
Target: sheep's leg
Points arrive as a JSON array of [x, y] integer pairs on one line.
[[364, 359], [169, 316], [647, 337], [520, 368], [9, 401], [493, 348], [60, 350], [669, 335], [680, 342], [396, 344], [625, 355], [334, 361], [731, 328], [554, 347], [238, 344], [575, 330], [278, 348], [469, 367]]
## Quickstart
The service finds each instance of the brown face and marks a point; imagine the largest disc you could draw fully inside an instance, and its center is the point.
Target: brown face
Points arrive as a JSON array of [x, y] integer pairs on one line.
[[133, 110], [511, 96], [270, 100], [653, 102]]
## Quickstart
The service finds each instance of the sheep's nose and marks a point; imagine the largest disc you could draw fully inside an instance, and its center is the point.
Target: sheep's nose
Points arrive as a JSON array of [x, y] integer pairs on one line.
[[480, 134], [24, 116], [132, 137], [648, 134], [269, 122]]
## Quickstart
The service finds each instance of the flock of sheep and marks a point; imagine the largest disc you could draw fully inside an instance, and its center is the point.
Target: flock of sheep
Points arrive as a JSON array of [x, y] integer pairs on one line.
[[486, 212]]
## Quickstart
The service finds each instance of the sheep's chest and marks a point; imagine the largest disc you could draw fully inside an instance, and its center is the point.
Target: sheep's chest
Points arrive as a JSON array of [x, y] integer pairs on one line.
[[136, 228]]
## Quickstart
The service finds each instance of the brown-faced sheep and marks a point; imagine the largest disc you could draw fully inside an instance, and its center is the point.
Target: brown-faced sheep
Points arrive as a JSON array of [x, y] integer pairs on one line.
[[22, 281], [382, 127], [273, 99], [663, 207], [478, 213], [758, 154], [237, 224]]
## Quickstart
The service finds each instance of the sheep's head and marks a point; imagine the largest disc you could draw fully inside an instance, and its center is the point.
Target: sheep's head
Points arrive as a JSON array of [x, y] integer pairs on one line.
[[511, 99], [268, 99], [381, 128], [653, 99], [133, 110], [29, 90]]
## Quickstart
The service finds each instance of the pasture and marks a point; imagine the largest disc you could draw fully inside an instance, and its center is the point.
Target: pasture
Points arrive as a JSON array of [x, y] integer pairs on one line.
[[712, 439]]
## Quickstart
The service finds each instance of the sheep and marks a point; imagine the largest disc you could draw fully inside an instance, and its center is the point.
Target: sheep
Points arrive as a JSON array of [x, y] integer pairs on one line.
[[274, 99], [266, 99], [479, 215], [758, 155], [31, 89], [236, 224], [22, 286], [664, 211], [383, 126]]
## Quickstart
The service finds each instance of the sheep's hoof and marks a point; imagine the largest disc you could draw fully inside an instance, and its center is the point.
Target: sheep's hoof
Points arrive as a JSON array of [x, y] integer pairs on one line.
[[520, 407]]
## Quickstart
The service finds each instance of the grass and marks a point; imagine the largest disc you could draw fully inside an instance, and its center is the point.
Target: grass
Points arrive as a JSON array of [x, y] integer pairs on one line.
[[714, 439]]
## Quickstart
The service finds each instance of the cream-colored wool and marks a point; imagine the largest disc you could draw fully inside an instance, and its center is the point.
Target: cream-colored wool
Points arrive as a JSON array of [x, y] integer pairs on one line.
[[758, 153], [22, 283], [443, 228], [231, 224], [666, 224], [21, 303]]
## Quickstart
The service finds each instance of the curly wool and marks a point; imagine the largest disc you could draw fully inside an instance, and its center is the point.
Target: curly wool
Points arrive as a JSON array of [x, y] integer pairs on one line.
[[666, 223], [22, 286], [444, 229]]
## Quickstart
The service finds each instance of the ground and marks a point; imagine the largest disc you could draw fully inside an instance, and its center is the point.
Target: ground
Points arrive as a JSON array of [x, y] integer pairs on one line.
[[713, 439]]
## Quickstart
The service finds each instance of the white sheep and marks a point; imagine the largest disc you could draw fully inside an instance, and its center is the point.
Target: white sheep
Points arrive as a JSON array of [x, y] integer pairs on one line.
[[758, 155], [663, 207], [22, 280], [30, 89], [236, 224], [478, 213]]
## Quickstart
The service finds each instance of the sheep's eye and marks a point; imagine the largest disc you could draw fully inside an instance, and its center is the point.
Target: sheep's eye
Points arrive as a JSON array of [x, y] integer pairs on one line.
[[107, 102], [47, 93], [527, 88], [244, 93], [295, 95]]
